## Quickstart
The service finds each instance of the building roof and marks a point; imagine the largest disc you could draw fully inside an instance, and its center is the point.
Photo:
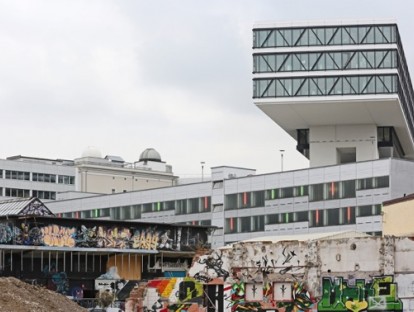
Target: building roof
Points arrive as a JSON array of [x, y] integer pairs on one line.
[[398, 200], [303, 237], [24, 206]]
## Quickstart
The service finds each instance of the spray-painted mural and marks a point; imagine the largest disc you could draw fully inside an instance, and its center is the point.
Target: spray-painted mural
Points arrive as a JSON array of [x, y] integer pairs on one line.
[[175, 294], [380, 294], [101, 236]]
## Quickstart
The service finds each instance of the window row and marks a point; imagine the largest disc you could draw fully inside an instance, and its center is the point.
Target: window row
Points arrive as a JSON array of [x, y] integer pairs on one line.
[[315, 218], [37, 177], [44, 194], [129, 212], [319, 36], [314, 86], [184, 206], [321, 61], [13, 192], [315, 192], [43, 177], [17, 175]]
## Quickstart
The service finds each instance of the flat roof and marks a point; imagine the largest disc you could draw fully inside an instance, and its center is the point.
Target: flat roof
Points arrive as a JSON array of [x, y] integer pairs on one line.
[[323, 23]]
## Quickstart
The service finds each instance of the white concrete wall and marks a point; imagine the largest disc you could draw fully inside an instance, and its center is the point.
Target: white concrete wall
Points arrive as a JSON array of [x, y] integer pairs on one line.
[[325, 140], [325, 273]]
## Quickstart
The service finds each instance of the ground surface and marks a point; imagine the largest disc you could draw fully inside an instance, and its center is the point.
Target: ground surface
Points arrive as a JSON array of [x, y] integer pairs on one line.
[[18, 296]]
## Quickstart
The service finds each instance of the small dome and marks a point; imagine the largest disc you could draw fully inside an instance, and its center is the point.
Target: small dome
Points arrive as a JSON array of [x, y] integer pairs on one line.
[[150, 154], [92, 151]]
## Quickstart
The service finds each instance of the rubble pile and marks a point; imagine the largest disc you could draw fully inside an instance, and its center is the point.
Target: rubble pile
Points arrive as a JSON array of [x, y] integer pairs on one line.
[[18, 296]]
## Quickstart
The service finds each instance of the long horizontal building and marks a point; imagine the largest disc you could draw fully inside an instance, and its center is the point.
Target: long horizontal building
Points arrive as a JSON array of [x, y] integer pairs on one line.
[[243, 205]]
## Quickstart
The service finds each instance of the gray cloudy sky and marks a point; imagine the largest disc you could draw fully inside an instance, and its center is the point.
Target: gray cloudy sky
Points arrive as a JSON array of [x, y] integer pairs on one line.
[[173, 75]]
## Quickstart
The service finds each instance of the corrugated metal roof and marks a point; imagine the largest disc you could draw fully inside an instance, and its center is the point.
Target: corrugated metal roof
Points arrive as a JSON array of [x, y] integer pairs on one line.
[[21, 206], [13, 206]]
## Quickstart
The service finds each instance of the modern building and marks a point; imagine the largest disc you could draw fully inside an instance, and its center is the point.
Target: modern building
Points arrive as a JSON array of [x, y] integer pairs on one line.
[[342, 90], [51, 179]]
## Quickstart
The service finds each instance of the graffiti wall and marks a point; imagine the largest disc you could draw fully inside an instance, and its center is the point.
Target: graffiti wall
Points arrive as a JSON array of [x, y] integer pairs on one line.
[[175, 294], [103, 236], [308, 275], [379, 294]]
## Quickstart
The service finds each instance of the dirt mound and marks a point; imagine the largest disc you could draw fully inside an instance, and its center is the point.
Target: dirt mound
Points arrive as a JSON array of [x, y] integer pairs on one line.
[[18, 296]]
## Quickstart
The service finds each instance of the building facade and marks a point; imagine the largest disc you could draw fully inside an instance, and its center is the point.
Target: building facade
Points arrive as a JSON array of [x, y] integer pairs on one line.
[[242, 205], [51, 179], [342, 90]]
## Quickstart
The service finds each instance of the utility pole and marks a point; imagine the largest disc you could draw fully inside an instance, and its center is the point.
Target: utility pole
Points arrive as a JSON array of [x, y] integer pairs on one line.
[[202, 170]]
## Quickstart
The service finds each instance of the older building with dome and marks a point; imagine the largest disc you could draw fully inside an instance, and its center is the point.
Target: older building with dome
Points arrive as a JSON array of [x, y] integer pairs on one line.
[[51, 179]]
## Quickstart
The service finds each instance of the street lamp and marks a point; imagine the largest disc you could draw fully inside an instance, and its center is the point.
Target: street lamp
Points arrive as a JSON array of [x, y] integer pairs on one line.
[[202, 170], [281, 159]]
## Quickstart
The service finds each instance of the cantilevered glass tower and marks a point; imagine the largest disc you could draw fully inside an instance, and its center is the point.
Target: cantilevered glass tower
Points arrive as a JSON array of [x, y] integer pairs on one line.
[[341, 89]]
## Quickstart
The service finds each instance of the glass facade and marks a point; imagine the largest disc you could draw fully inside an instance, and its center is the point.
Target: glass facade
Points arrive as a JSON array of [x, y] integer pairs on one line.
[[324, 61], [324, 36], [325, 86]]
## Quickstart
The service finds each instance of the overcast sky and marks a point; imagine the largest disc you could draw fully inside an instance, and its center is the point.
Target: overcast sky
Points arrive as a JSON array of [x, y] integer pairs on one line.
[[123, 76]]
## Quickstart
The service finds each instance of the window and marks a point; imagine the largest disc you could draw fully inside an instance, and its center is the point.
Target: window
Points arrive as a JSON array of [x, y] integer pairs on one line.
[[231, 202], [43, 177], [217, 185], [369, 210], [381, 182], [12, 192], [272, 194], [231, 225], [286, 192], [147, 207], [257, 223], [105, 212], [245, 224], [64, 179], [316, 218], [301, 216], [333, 190], [44, 194], [258, 199], [316, 192], [181, 206], [348, 189], [272, 218], [17, 175]]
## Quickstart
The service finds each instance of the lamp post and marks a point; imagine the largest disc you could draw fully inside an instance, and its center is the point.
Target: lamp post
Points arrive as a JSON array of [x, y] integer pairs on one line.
[[281, 159], [202, 170]]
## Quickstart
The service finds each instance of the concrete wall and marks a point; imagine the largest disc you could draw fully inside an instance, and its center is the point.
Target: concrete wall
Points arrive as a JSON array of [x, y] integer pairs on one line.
[[324, 142], [347, 274]]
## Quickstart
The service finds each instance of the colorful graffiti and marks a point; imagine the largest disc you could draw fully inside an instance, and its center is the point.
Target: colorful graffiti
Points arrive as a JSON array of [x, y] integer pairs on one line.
[[378, 295], [57, 281], [176, 293], [301, 299], [99, 236], [287, 297]]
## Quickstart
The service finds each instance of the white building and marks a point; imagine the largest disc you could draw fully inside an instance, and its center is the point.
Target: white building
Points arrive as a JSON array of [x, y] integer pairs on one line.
[[51, 179]]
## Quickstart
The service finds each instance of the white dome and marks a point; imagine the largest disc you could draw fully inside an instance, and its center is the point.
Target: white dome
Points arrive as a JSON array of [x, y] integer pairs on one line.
[[92, 151], [150, 154]]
